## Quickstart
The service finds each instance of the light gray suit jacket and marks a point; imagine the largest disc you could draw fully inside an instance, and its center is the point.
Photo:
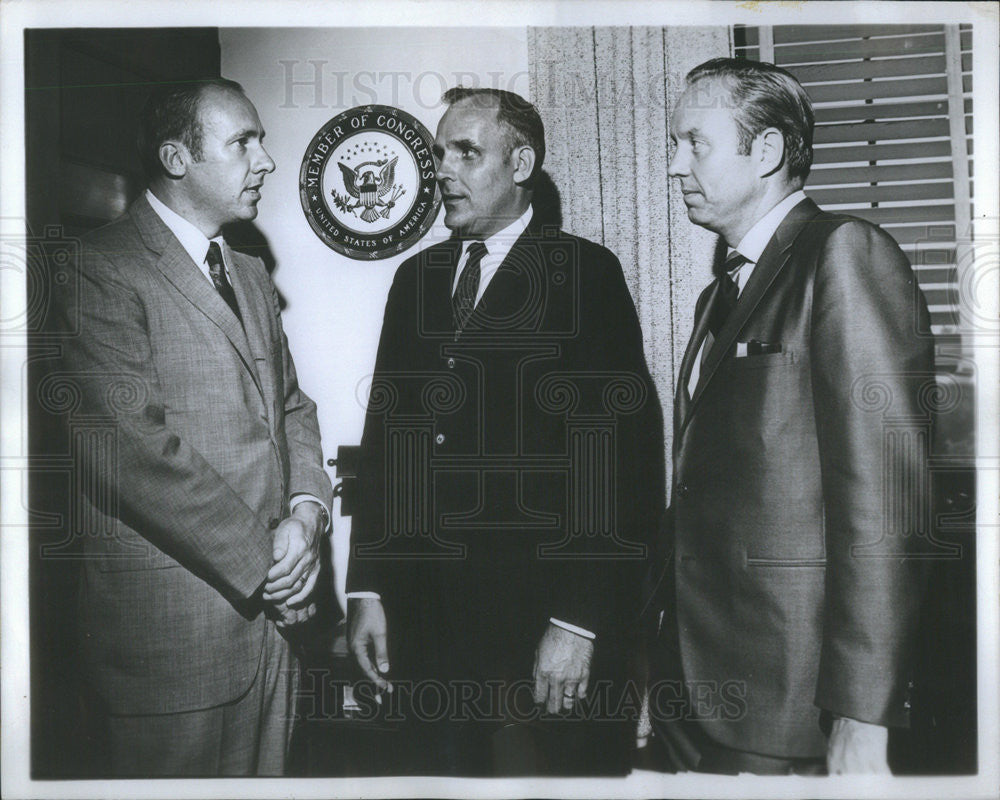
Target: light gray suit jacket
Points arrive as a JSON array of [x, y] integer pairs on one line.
[[801, 490], [190, 435]]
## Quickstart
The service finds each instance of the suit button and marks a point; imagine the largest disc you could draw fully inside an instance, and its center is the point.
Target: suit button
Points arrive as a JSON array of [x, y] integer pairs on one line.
[[451, 363], [439, 438], [682, 489], [273, 523]]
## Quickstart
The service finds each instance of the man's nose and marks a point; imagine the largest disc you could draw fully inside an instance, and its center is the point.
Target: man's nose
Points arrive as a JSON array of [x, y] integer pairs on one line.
[[677, 165], [444, 170], [264, 162]]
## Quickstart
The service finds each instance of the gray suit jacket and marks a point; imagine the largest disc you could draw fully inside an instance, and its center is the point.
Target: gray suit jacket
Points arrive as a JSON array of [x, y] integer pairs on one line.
[[190, 436], [800, 494]]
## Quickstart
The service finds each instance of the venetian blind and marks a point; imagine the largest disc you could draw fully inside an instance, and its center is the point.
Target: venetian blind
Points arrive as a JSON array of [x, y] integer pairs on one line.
[[892, 143]]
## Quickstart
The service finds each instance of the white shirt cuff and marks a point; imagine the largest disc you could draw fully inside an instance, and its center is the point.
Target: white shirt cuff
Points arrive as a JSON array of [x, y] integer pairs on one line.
[[364, 596], [572, 628], [302, 498]]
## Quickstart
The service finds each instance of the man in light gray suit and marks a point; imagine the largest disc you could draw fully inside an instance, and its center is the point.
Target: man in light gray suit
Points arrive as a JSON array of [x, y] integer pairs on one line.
[[790, 574], [206, 507]]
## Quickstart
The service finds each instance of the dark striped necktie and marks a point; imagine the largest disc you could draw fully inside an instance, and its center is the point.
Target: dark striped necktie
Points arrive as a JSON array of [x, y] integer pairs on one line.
[[728, 294], [217, 269], [464, 300]]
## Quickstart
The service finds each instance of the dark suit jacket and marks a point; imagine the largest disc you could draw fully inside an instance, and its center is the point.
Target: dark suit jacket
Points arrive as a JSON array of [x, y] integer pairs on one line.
[[511, 472], [190, 435], [800, 488]]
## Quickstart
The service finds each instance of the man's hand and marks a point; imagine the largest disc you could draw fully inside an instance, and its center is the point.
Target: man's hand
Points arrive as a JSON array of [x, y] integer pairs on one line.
[[562, 668], [285, 616], [296, 556], [367, 638], [857, 748]]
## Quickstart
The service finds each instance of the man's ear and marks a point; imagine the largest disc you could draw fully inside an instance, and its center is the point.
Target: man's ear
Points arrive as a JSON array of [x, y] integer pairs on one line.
[[769, 151], [523, 159], [174, 156]]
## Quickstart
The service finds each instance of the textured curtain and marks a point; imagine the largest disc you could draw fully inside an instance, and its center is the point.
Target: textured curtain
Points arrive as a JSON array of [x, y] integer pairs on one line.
[[605, 96]]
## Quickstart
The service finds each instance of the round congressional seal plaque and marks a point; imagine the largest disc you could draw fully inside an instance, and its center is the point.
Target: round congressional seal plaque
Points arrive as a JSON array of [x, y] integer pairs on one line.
[[367, 182]]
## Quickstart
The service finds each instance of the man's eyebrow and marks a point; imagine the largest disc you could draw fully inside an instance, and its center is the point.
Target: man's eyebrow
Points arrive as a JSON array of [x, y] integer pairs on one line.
[[457, 144], [247, 133]]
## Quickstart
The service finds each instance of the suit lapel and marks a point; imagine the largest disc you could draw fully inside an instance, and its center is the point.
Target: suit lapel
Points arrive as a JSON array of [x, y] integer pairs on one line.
[[253, 326], [506, 291], [436, 279], [682, 397], [177, 267], [772, 261]]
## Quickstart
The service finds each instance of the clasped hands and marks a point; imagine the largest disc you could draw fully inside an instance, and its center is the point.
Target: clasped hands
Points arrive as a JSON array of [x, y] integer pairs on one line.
[[296, 566]]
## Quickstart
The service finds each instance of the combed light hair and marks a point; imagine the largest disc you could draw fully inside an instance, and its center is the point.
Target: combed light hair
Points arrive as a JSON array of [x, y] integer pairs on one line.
[[765, 96]]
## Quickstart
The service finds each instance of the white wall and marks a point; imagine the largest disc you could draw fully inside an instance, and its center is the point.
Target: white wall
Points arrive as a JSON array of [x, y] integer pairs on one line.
[[334, 312]]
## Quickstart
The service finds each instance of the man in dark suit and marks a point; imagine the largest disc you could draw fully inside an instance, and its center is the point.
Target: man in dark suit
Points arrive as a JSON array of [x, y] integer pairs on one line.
[[512, 470], [204, 495], [788, 589]]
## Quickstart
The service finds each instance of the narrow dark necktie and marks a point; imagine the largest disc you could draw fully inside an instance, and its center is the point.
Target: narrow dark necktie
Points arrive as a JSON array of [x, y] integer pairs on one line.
[[464, 300], [728, 294], [217, 269]]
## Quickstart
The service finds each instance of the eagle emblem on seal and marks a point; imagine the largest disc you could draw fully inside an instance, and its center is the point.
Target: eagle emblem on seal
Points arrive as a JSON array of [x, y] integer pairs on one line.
[[368, 185], [382, 196]]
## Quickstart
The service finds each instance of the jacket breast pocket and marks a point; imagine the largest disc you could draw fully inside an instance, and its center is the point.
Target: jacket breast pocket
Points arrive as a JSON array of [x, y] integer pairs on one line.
[[763, 361], [785, 544], [787, 563]]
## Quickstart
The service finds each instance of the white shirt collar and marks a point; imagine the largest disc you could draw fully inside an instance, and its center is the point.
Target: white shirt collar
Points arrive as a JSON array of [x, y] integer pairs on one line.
[[194, 242], [497, 247], [754, 241], [499, 243], [751, 247]]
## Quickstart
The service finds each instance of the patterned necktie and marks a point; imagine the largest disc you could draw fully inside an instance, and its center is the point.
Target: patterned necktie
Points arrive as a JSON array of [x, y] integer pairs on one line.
[[464, 300], [728, 294], [217, 269]]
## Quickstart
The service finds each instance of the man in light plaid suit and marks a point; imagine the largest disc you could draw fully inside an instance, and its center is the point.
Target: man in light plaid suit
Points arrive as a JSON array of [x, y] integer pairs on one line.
[[206, 509]]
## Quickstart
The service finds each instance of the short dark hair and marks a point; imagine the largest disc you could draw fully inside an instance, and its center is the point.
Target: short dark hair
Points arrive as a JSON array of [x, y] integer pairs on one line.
[[765, 96], [171, 113], [521, 122]]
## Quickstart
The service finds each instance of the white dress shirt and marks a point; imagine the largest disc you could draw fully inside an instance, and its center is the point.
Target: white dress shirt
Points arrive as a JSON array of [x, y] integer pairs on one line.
[[195, 244], [751, 247], [497, 248]]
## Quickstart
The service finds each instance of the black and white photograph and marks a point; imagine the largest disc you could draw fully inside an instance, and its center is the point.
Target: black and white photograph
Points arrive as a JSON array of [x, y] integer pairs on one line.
[[438, 399]]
